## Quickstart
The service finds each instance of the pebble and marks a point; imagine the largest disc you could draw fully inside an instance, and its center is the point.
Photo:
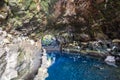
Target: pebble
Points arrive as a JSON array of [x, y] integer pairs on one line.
[[10, 36], [6, 41], [114, 47], [7, 49], [32, 42], [19, 39], [1, 16], [4, 33], [108, 49]]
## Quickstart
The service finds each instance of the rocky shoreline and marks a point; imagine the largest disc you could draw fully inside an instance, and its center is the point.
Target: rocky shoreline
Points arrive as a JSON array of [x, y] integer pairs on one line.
[[98, 48], [101, 47]]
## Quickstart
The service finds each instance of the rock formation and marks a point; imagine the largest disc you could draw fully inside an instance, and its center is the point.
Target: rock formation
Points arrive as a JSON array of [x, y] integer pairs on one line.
[[20, 57]]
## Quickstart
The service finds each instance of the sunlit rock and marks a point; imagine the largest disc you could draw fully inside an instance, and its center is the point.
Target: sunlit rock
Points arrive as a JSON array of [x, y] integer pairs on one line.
[[4, 33], [7, 49], [46, 62], [116, 41], [6, 41], [48, 40], [9, 36], [110, 60], [32, 42], [2, 52]]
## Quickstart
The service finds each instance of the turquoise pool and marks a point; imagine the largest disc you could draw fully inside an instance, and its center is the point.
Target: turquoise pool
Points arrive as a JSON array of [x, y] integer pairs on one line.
[[79, 67]]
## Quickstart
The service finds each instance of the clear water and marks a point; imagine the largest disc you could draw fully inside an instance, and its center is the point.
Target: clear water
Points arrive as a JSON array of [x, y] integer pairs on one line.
[[78, 67]]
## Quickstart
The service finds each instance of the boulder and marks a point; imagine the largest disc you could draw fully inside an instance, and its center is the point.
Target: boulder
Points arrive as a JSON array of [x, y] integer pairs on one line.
[[49, 40], [110, 60], [116, 40], [4, 9], [84, 37]]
